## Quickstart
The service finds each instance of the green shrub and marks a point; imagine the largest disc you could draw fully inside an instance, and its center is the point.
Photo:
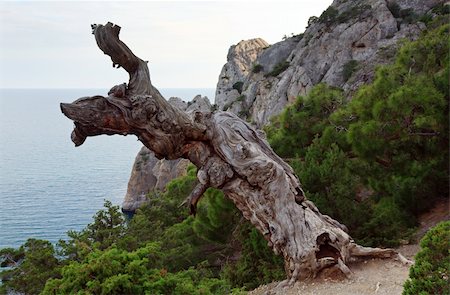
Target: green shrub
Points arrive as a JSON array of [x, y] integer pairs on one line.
[[295, 128], [257, 264], [394, 8], [353, 12], [116, 271], [245, 113], [192, 281], [278, 69], [36, 263], [308, 38], [312, 20], [426, 18], [329, 16], [387, 224], [226, 106], [408, 15], [257, 68], [327, 175], [442, 9], [238, 86], [241, 98], [216, 218], [298, 37], [163, 211], [348, 69], [431, 271], [112, 271]]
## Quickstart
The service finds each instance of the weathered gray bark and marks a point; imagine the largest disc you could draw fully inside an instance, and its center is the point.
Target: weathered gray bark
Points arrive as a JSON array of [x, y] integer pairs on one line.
[[229, 154]]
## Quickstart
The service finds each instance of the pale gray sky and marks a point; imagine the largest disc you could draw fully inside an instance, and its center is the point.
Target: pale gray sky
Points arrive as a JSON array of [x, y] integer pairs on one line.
[[49, 44]]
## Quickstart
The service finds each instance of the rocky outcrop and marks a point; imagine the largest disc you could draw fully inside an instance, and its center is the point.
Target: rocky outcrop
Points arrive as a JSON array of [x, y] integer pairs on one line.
[[150, 174], [340, 48], [241, 58]]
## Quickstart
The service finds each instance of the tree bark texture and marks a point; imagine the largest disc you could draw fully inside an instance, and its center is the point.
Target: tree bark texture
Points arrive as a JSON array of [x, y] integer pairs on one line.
[[229, 154]]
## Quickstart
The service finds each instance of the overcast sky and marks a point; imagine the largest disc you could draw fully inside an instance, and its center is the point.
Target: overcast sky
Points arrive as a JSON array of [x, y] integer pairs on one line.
[[49, 44]]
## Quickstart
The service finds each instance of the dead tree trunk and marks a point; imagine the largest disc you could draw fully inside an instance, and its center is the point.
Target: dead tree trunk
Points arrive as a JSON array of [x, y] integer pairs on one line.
[[229, 154]]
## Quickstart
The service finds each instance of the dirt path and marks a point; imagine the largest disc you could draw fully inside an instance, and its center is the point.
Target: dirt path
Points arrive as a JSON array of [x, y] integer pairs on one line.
[[374, 277], [377, 276]]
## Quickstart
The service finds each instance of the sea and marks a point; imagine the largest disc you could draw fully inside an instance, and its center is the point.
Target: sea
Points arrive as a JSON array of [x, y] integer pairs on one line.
[[47, 186]]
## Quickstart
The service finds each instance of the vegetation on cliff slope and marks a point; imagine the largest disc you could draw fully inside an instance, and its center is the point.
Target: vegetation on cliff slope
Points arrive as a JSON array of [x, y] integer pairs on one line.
[[377, 161], [373, 162]]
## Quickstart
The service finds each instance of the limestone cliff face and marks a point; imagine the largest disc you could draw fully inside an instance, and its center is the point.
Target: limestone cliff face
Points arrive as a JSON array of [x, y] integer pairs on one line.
[[241, 58], [340, 48], [150, 174]]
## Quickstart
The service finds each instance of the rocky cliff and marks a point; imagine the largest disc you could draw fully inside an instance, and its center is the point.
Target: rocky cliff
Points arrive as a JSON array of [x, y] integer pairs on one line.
[[149, 173], [340, 48]]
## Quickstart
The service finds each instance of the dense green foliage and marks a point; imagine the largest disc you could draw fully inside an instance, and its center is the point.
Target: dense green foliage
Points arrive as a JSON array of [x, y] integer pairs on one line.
[[431, 271], [34, 262], [328, 175], [380, 159], [116, 271], [297, 126], [257, 264]]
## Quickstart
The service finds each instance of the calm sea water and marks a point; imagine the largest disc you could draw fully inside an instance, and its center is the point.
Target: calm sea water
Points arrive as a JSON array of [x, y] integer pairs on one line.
[[47, 186]]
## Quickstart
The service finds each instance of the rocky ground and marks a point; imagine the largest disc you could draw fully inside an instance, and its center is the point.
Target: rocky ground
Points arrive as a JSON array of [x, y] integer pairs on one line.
[[375, 276]]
